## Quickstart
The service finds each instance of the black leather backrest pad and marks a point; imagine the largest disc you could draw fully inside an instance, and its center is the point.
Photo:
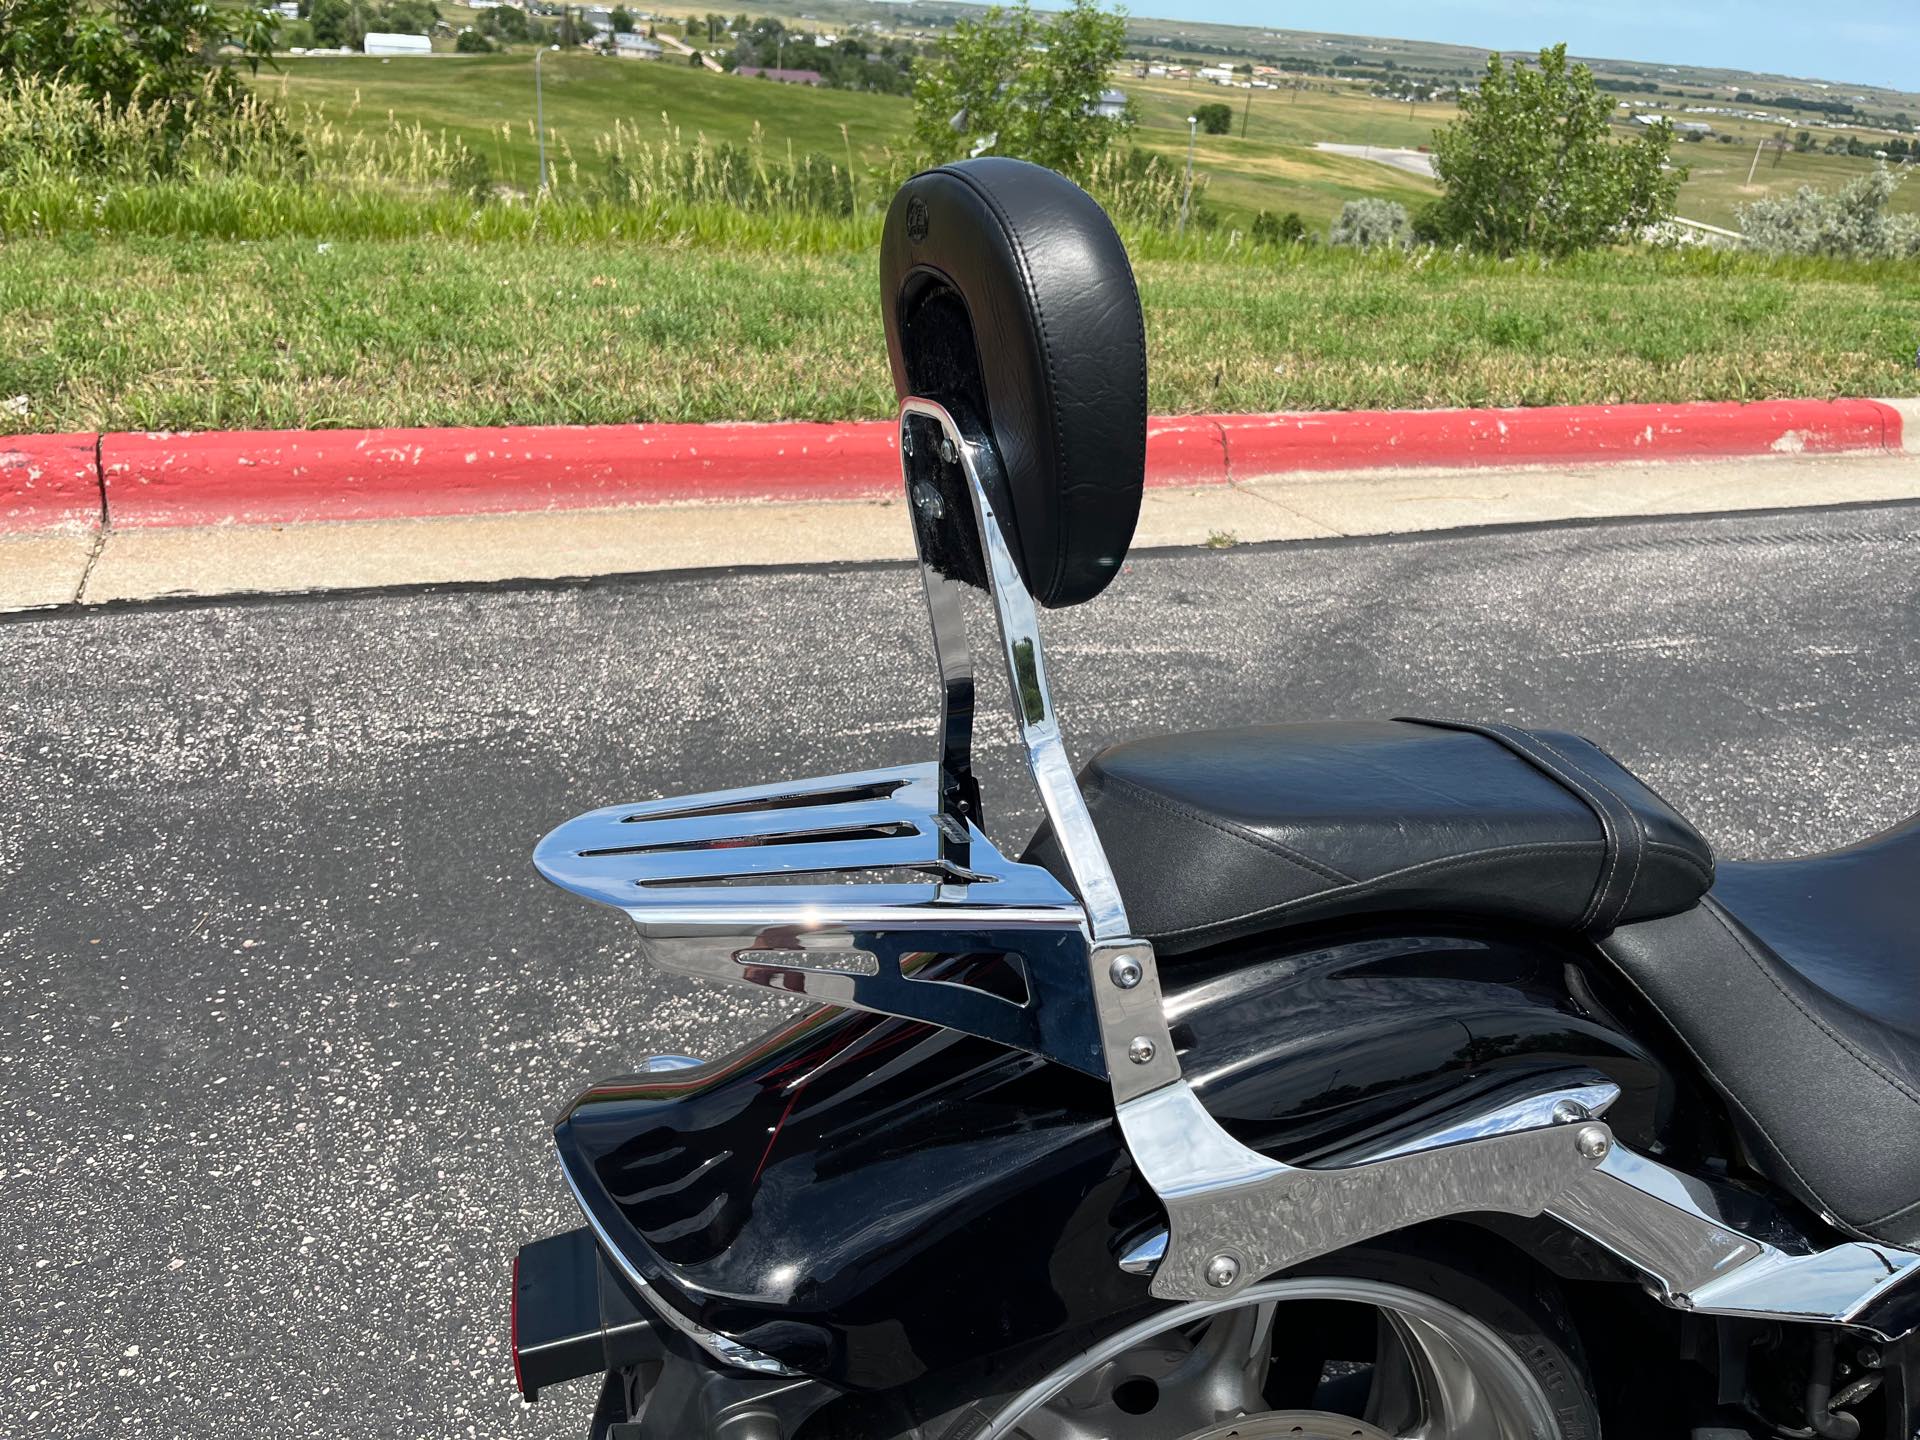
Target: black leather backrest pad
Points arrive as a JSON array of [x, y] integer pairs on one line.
[[1004, 285]]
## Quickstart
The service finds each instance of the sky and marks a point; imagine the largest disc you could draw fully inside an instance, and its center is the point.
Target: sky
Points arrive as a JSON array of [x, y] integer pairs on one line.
[[1874, 42]]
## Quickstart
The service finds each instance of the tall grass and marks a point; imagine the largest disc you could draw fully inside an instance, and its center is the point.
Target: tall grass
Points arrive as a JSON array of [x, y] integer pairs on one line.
[[259, 170]]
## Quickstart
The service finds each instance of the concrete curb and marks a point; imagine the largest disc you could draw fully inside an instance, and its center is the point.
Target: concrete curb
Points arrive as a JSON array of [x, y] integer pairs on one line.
[[135, 481], [50, 482]]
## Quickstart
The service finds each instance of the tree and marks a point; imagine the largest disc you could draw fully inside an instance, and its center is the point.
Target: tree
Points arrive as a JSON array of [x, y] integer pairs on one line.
[[504, 23], [1011, 84], [162, 51], [472, 42], [622, 19], [1531, 164], [1215, 119]]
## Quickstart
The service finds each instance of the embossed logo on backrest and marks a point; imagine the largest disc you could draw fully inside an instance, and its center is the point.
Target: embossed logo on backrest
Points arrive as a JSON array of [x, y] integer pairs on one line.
[[917, 219]]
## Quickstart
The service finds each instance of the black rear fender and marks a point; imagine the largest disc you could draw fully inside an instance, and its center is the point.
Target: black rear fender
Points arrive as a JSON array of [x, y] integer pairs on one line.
[[875, 1201]]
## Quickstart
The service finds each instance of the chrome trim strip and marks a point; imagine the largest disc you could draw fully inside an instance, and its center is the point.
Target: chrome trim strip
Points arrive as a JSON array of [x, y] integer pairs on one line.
[[726, 1351]]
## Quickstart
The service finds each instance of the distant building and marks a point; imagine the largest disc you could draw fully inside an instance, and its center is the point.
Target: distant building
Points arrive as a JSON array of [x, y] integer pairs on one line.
[[379, 42], [1693, 127], [1217, 74], [636, 46], [785, 77], [1111, 105]]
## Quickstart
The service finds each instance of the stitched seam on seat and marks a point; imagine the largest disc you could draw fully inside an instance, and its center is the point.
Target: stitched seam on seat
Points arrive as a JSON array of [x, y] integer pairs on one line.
[[1185, 812], [1592, 911], [1892, 1215], [1865, 1061], [1685, 857], [1046, 354], [1633, 817], [1380, 881], [1726, 1090]]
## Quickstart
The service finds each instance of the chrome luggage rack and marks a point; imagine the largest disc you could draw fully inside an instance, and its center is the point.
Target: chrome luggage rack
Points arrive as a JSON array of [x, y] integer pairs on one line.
[[855, 890]]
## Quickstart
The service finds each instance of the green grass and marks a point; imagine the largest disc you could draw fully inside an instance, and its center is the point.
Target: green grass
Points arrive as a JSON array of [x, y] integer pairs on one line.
[[170, 333], [1717, 179], [486, 101]]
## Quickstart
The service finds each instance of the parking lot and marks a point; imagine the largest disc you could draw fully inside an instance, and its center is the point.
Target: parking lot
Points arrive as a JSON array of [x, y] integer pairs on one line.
[[284, 1009]]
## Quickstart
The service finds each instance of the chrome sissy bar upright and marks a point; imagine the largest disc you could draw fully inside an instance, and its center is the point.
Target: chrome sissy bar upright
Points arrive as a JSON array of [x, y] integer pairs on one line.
[[853, 889]]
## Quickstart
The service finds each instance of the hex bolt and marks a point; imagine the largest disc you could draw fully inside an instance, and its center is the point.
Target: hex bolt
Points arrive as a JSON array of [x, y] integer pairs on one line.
[[1140, 1050], [947, 452], [1593, 1142], [926, 498], [1569, 1111], [1222, 1271], [1125, 972]]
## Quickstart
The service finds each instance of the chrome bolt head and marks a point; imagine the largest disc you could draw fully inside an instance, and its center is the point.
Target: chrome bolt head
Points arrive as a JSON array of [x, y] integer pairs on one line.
[[927, 499], [1568, 1112], [1222, 1271], [1140, 1050], [947, 452], [1125, 972], [1593, 1142]]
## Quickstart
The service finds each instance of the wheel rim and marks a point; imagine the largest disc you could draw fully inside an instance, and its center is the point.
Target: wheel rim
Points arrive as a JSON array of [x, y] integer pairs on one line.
[[1258, 1367]]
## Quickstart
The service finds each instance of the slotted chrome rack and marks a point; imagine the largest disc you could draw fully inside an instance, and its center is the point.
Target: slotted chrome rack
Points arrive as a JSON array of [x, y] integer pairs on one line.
[[850, 889]]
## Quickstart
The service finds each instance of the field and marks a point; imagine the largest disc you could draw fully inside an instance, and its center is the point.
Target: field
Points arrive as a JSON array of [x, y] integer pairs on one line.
[[487, 102], [155, 333]]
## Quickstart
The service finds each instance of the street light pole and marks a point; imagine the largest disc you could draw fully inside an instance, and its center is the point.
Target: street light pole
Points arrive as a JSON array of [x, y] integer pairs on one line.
[[540, 117], [1186, 196]]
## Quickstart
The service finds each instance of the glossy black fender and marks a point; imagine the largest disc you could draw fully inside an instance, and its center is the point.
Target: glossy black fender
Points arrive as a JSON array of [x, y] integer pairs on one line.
[[881, 1204]]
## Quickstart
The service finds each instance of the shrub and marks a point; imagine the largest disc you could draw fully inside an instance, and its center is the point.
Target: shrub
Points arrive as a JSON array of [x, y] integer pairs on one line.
[[1215, 119], [1372, 224], [1531, 164], [472, 42], [1287, 229], [1854, 224]]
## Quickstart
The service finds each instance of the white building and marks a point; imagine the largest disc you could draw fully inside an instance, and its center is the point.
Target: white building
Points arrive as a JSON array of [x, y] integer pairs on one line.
[[379, 42], [1217, 74], [635, 46], [1111, 105]]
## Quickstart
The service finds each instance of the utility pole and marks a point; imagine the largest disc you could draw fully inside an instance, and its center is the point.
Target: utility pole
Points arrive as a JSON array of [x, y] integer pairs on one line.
[[1754, 168], [1186, 196], [540, 117], [1247, 112]]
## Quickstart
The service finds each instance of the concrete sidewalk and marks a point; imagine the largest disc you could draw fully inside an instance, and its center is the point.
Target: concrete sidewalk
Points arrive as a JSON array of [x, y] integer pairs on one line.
[[52, 569]]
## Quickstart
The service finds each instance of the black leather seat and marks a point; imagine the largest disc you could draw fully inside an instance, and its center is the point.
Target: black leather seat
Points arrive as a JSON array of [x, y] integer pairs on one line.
[[1797, 987], [1233, 832]]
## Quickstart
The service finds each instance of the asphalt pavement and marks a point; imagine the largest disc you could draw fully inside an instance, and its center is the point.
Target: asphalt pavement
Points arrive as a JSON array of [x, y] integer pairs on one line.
[[284, 1009]]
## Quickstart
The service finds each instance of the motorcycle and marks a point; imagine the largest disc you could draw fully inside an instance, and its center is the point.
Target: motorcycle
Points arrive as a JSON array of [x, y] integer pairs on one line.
[[1411, 1078]]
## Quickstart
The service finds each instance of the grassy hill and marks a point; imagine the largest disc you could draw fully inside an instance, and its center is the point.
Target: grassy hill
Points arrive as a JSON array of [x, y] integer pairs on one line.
[[486, 101]]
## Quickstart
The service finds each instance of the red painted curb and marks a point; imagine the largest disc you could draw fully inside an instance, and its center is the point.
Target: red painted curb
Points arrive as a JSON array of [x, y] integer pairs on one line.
[[49, 482], [1361, 440], [280, 477], [291, 476]]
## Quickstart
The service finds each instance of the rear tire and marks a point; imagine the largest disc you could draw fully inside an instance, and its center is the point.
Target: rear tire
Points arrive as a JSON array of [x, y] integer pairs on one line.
[[1449, 1325]]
